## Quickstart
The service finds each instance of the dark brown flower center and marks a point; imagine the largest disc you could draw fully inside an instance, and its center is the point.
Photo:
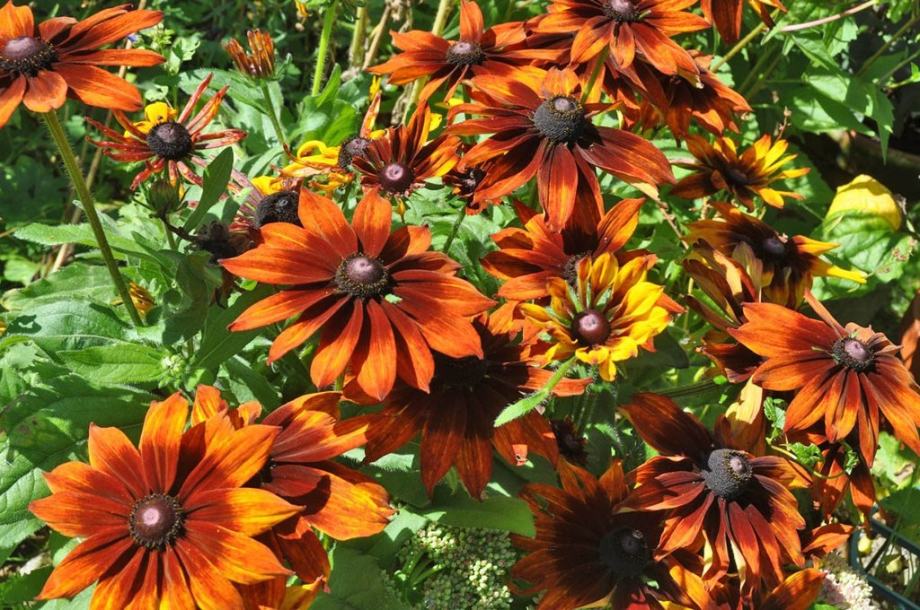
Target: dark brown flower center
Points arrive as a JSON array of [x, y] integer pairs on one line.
[[460, 373], [26, 55], [362, 276], [728, 474], [590, 327], [277, 207], [354, 146], [626, 552], [571, 445], [570, 268], [170, 141], [396, 178], [156, 521], [737, 177], [465, 53], [774, 247], [853, 354], [621, 10], [469, 180], [561, 119]]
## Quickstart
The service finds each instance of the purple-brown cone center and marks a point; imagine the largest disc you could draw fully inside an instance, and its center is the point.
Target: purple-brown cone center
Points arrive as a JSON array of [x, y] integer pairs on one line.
[[278, 207], [774, 247], [465, 53], [728, 474], [155, 521], [626, 552], [362, 276], [170, 141], [621, 10], [590, 327], [737, 177], [26, 55], [560, 119], [354, 146], [396, 178], [853, 354]]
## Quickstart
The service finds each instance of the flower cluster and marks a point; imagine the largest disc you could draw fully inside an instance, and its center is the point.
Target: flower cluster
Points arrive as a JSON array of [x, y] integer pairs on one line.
[[479, 367]]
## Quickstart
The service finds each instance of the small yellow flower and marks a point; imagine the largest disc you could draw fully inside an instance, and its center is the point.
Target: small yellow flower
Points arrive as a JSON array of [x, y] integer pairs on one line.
[[140, 297], [155, 114], [608, 314]]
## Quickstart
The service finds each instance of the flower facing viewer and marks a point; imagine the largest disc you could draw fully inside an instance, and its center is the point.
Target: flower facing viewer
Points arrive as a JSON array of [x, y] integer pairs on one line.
[[589, 552], [167, 523], [381, 301], [40, 65], [167, 139], [608, 313]]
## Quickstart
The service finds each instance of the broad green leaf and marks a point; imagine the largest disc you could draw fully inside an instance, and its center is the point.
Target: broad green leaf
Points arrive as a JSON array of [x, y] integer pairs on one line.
[[48, 235], [114, 364], [75, 282], [498, 513], [70, 325], [217, 342], [521, 407], [216, 177], [355, 583]]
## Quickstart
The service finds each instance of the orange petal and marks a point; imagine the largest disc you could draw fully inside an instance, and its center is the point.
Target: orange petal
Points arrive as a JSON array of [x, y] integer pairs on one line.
[[10, 98], [377, 371], [234, 556], [16, 21], [111, 452], [87, 562], [281, 306], [46, 92], [211, 590], [96, 87], [160, 440], [337, 344], [348, 503], [372, 223], [244, 510]]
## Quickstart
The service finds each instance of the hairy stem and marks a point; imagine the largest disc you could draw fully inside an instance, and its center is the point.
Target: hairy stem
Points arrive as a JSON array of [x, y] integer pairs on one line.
[[323, 51], [276, 124], [89, 207]]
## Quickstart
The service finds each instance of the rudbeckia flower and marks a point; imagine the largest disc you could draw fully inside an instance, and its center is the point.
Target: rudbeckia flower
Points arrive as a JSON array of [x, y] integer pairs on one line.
[[540, 128], [735, 505], [259, 63], [40, 65], [745, 176], [605, 316], [727, 15], [785, 266], [837, 475], [528, 257], [381, 299], [403, 159], [478, 51], [456, 416], [799, 591], [630, 28], [846, 378], [270, 199], [334, 499], [589, 552], [167, 139], [167, 523]]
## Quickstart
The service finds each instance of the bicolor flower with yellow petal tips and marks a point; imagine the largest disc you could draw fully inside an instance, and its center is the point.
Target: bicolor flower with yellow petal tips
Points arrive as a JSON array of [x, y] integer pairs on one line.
[[605, 315]]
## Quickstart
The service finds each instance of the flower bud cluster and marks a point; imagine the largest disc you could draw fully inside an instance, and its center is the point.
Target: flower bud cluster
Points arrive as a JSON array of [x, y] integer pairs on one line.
[[844, 587]]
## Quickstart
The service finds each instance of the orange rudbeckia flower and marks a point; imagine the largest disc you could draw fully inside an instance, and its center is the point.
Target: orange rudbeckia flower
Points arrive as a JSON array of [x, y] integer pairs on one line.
[[531, 256], [167, 523], [784, 267], [40, 65], [168, 139], [846, 378], [605, 315], [382, 301], [589, 552], [456, 417], [630, 28], [735, 505], [540, 128], [745, 176]]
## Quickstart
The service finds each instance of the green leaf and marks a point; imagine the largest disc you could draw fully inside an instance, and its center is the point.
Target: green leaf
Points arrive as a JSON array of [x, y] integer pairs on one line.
[[356, 582], [75, 282], [521, 407], [217, 342], [55, 235], [113, 364], [216, 177], [867, 242], [70, 325], [497, 513]]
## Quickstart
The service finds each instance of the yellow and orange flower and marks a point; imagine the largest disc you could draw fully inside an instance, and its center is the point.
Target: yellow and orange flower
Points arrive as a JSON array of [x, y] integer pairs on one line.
[[270, 199], [167, 139], [260, 61], [735, 506], [605, 316], [630, 28], [727, 15], [456, 416], [846, 379], [381, 300], [782, 267], [40, 65], [589, 552], [719, 168], [530, 256], [167, 523], [540, 128]]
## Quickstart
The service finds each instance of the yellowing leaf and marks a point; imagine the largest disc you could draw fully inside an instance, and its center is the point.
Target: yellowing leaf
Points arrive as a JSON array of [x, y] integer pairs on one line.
[[867, 196]]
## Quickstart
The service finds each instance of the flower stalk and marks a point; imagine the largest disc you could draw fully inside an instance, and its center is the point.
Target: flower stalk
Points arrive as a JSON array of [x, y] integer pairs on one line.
[[272, 114], [89, 207], [324, 38]]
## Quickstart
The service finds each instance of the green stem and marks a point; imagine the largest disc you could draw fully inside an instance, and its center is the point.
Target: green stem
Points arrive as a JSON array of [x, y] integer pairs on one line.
[[440, 19], [738, 46], [276, 124], [169, 236], [887, 45], [89, 208], [454, 229], [599, 64], [356, 50], [324, 38], [688, 390]]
